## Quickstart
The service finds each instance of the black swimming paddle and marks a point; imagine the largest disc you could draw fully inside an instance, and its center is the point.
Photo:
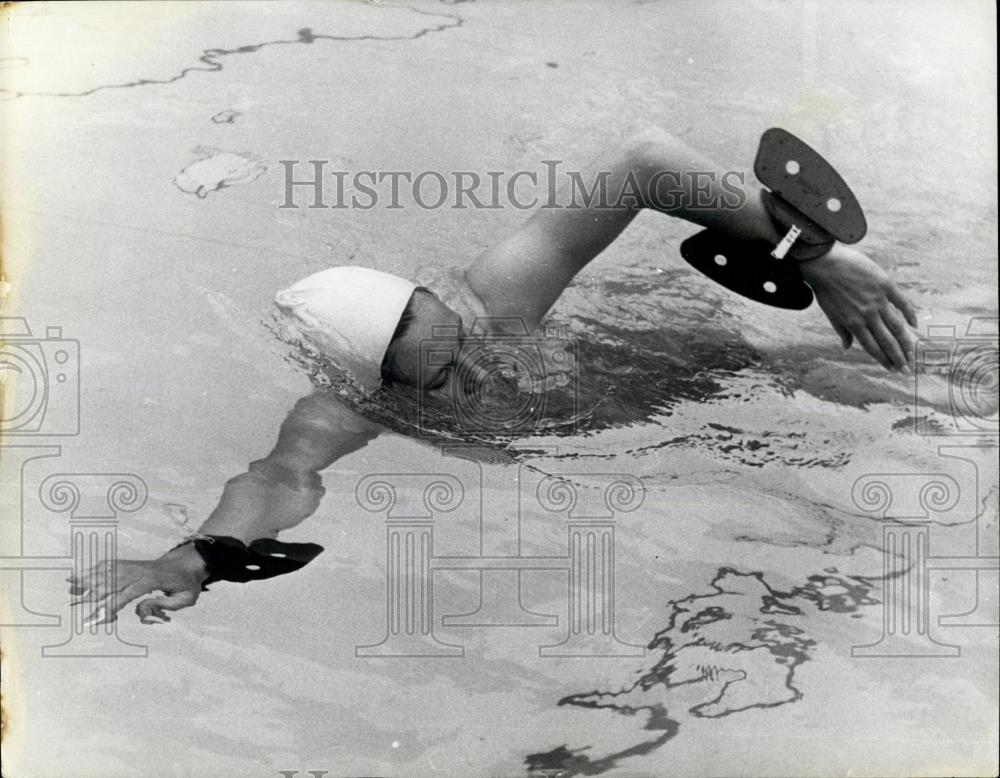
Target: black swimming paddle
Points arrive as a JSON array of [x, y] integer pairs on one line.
[[747, 268], [808, 201]]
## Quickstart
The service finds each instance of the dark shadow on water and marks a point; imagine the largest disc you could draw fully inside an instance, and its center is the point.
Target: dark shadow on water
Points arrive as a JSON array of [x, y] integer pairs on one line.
[[643, 345], [629, 363], [564, 763], [734, 649]]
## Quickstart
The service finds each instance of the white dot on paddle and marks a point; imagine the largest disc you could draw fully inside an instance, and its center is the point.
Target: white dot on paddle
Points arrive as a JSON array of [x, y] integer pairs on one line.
[[770, 287], [720, 260], [792, 167], [833, 204]]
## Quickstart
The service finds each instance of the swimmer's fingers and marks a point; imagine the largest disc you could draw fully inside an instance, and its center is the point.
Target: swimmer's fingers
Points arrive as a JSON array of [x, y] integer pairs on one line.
[[871, 345], [76, 586], [105, 610], [905, 337], [82, 581], [858, 296], [153, 607], [96, 581], [846, 338], [104, 589], [888, 343], [902, 302]]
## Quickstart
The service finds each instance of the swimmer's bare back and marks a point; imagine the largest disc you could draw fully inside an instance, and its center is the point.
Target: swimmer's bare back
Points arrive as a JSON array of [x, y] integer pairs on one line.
[[520, 277]]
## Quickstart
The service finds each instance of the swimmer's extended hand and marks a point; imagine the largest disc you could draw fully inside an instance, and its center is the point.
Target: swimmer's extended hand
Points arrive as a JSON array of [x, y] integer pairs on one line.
[[106, 588], [863, 304]]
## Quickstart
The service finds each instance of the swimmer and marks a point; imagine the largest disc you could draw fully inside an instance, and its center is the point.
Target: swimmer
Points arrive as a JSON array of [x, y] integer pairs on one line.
[[371, 324]]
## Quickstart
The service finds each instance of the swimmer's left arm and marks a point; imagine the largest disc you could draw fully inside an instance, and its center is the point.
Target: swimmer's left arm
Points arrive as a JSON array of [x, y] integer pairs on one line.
[[277, 493]]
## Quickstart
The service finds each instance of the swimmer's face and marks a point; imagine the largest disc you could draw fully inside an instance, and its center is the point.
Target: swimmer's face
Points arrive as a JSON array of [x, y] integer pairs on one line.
[[431, 317]]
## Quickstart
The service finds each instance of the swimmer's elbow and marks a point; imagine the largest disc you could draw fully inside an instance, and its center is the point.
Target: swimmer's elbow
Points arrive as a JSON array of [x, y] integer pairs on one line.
[[653, 148]]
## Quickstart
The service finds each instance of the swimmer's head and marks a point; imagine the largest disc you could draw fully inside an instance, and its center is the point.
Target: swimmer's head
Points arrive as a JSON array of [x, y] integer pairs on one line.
[[369, 323], [425, 317]]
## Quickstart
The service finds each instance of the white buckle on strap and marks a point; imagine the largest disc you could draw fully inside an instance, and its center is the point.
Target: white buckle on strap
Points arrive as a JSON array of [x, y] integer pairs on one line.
[[783, 247]]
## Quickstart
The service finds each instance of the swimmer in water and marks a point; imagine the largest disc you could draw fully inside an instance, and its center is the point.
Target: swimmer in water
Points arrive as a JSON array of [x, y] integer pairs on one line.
[[371, 324]]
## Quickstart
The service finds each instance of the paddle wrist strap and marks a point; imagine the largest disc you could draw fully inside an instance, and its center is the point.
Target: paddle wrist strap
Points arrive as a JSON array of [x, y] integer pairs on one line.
[[802, 239], [230, 559]]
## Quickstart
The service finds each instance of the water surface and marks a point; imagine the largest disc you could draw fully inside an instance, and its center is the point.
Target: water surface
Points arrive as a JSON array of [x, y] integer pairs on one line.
[[146, 225]]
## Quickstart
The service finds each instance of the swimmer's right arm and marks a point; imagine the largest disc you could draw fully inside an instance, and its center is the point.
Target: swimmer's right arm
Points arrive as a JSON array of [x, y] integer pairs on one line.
[[524, 274], [275, 494]]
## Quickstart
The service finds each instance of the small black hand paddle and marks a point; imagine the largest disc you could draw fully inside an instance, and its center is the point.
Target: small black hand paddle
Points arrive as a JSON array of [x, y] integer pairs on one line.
[[809, 199], [747, 268], [797, 174]]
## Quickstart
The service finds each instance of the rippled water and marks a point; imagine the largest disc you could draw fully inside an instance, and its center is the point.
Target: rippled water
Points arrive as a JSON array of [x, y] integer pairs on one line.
[[748, 573]]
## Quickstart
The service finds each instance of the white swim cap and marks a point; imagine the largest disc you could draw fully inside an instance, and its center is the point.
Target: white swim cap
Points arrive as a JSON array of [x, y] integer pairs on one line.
[[349, 315]]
